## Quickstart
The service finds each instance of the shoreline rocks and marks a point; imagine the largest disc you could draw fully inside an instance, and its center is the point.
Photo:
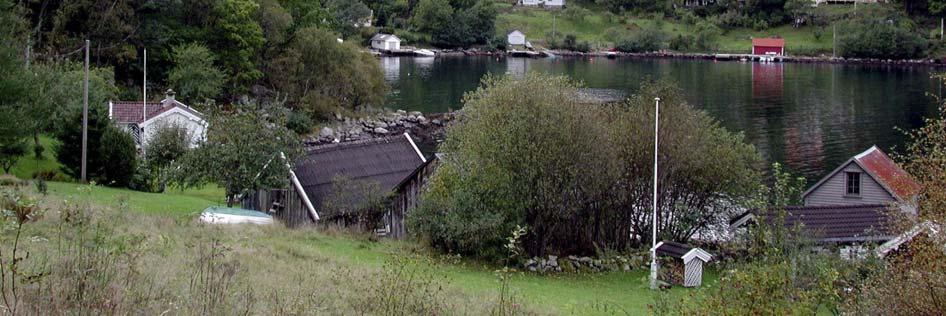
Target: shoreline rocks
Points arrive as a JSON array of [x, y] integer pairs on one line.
[[427, 129], [926, 62]]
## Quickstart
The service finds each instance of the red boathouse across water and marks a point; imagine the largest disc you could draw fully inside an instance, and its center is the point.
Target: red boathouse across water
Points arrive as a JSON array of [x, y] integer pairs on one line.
[[768, 46]]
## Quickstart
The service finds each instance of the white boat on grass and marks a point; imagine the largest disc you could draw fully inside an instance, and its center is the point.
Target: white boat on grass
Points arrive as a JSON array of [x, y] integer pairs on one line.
[[232, 215]]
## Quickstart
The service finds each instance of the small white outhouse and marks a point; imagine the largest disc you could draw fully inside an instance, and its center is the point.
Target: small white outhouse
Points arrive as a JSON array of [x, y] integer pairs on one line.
[[692, 257]]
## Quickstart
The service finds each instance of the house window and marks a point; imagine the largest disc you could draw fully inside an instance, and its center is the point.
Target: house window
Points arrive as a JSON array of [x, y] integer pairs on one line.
[[854, 183]]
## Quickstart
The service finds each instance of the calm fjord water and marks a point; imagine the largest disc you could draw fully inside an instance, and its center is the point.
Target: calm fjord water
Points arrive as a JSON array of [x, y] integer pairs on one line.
[[810, 117]]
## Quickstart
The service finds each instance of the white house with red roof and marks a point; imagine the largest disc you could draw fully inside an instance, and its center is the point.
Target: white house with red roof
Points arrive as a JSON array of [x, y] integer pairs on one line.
[[143, 119]]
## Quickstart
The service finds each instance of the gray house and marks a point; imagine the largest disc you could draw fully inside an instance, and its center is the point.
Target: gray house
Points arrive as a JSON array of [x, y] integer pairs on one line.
[[871, 177], [851, 204]]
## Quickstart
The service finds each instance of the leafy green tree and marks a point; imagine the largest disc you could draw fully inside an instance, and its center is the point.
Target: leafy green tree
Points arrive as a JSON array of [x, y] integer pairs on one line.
[[308, 13], [528, 152], [237, 37], [321, 75], [13, 89], [797, 8], [11, 151], [468, 26], [118, 157], [348, 13], [431, 16], [194, 74], [111, 152], [874, 37], [241, 152], [62, 26], [168, 144], [522, 154]]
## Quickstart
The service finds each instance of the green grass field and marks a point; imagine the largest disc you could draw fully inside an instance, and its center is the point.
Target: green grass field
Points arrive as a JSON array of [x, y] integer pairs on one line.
[[147, 215], [602, 29], [588, 294]]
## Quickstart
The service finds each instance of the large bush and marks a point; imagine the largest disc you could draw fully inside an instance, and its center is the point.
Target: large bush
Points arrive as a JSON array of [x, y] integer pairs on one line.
[[881, 34], [647, 40], [528, 152], [321, 75], [118, 156]]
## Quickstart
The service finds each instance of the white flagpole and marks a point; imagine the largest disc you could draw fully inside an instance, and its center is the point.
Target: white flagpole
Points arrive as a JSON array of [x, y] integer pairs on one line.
[[653, 239], [144, 89]]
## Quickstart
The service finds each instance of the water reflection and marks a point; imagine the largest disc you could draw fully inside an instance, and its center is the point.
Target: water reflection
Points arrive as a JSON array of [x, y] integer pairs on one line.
[[391, 68], [811, 117]]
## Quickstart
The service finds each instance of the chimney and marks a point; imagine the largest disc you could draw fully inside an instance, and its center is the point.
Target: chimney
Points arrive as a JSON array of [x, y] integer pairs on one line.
[[168, 98]]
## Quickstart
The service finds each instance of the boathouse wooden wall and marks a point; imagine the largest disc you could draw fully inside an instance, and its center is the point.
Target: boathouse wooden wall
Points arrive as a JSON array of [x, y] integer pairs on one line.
[[285, 205], [407, 197]]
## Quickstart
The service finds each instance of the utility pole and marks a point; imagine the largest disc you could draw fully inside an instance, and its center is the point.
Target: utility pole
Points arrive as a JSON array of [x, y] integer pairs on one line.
[[834, 40], [653, 238], [28, 47], [553, 25], [85, 115], [941, 29]]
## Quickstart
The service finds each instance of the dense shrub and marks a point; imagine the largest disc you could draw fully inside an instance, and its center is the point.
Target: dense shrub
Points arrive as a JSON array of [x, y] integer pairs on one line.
[[575, 174], [168, 144], [571, 42], [647, 40], [118, 156], [299, 123], [880, 39]]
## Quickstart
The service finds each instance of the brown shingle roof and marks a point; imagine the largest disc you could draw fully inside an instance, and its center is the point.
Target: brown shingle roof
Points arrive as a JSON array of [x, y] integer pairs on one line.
[[385, 160], [130, 111], [673, 249], [834, 223]]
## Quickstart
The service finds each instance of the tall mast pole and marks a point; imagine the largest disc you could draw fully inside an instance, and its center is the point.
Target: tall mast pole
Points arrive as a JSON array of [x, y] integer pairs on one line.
[[144, 89], [653, 238], [85, 115]]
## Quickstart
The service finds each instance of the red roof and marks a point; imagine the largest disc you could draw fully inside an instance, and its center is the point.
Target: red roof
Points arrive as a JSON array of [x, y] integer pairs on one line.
[[130, 111], [885, 171], [768, 42]]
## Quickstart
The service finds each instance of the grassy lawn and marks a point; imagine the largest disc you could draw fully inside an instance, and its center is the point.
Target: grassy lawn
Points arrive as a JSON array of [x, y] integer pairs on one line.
[[622, 293], [538, 23], [174, 202]]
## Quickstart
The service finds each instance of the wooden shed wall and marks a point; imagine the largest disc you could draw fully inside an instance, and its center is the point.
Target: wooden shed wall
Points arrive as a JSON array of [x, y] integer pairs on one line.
[[693, 273], [834, 190], [406, 198], [290, 210]]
